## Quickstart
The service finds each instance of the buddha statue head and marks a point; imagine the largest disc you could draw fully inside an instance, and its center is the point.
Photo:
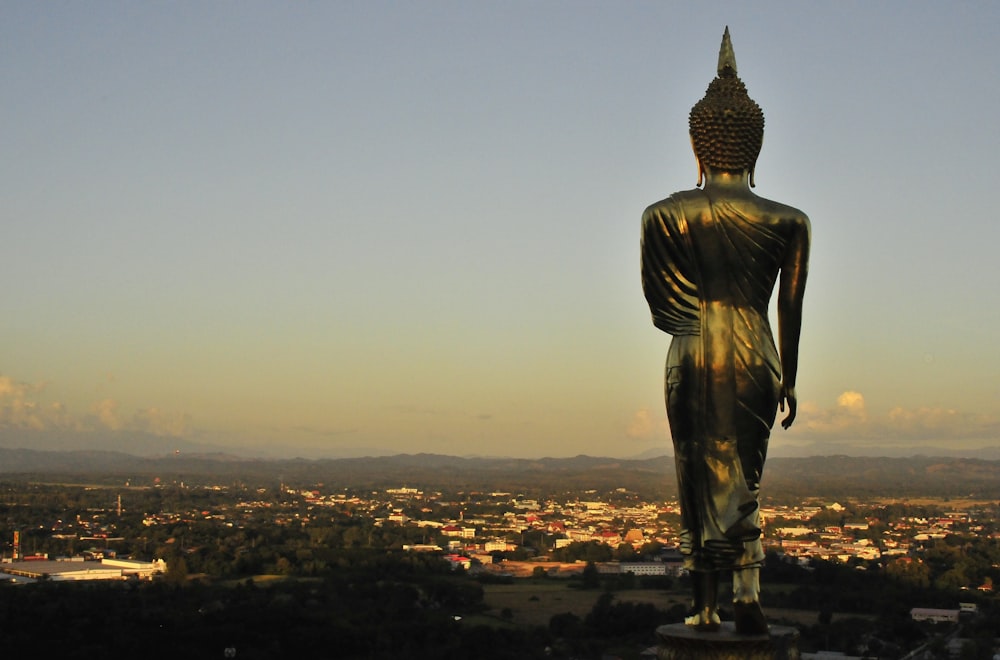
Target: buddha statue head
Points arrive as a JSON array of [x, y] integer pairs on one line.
[[726, 125]]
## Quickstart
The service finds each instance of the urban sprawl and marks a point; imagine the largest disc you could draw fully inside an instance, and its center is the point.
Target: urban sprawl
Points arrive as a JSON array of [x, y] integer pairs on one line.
[[499, 532]]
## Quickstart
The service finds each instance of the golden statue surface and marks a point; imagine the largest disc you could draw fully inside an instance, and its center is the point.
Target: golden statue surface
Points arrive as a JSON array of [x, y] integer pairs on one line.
[[711, 258]]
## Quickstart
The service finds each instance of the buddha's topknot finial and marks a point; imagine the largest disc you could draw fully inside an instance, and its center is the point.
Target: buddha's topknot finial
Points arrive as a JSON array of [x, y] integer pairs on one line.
[[727, 58]]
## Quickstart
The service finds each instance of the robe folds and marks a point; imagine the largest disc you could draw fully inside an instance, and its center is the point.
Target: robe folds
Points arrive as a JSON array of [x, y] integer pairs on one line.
[[708, 270]]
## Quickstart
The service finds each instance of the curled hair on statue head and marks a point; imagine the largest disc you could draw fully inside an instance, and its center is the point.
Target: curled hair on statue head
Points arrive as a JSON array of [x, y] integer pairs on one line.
[[726, 125]]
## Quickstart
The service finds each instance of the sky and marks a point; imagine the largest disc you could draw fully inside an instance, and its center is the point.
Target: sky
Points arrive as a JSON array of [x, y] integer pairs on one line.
[[329, 229]]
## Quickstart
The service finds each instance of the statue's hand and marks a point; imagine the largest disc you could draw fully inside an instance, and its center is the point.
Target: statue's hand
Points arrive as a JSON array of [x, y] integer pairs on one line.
[[788, 394]]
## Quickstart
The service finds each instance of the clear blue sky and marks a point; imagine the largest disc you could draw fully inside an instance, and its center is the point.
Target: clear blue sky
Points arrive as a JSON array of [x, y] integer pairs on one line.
[[363, 227]]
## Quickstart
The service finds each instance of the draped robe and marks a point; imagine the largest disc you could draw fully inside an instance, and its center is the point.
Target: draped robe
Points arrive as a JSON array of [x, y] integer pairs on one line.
[[708, 270]]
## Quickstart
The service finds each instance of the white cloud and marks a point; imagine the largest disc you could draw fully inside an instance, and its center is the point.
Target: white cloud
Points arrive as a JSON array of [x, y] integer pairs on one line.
[[21, 408], [850, 419], [13, 389], [644, 425], [849, 413], [852, 403], [160, 422], [106, 412], [930, 422], [7, 386]]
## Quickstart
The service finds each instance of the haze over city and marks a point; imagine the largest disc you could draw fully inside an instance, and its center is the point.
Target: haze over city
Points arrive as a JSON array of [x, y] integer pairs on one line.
[[342, 229]]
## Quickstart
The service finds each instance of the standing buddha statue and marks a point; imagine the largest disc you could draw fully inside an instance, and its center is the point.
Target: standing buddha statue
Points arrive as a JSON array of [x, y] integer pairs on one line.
[[711, 257]]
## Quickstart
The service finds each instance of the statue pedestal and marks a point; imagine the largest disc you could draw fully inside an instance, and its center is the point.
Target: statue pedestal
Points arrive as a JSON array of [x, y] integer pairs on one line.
[[679, 642]]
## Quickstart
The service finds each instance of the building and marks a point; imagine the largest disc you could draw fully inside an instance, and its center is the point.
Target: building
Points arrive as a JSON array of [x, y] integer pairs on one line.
[[144, 570], [935, 615], [76, 569], [643, 568], [499, 546], [422, 547]]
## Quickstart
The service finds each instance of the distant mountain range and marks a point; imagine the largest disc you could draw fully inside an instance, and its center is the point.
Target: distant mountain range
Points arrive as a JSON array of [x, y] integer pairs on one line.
[[825, 476], [138, 443]]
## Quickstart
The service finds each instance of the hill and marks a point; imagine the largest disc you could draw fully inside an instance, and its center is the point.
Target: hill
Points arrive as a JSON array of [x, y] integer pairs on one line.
[[653, 478]]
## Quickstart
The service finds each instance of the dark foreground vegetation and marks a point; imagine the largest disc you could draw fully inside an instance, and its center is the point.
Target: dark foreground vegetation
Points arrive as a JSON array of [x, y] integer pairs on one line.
[[389, 604], [377, 606]]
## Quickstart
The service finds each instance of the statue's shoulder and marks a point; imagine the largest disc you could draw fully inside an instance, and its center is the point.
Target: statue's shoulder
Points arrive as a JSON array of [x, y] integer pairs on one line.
[[675, 203], [783, 213]]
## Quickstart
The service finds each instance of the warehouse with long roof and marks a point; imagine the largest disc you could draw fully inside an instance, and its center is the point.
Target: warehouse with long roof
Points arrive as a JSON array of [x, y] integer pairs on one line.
[[75, 569]]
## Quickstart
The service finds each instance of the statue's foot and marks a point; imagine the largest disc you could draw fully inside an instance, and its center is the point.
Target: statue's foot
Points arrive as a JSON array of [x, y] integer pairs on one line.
[[705, 620], [749, 618]]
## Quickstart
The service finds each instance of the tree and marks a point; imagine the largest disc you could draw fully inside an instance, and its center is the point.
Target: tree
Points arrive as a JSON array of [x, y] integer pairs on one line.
[[825, 616], [625, 552], [909, 571], [355, 537], [566, 624], [591, 576], [952, 580], [177, 571]]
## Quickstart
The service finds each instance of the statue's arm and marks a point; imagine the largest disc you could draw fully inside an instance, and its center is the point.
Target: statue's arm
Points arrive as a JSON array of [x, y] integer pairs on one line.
[[666, 282], [791, 291]]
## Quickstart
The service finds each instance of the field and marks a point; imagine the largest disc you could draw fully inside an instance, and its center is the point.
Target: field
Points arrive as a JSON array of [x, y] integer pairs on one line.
[[535, 603]]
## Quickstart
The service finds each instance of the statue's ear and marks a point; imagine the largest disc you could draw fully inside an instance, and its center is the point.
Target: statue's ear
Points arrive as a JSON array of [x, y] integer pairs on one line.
[[753, 167], [701, 170]]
